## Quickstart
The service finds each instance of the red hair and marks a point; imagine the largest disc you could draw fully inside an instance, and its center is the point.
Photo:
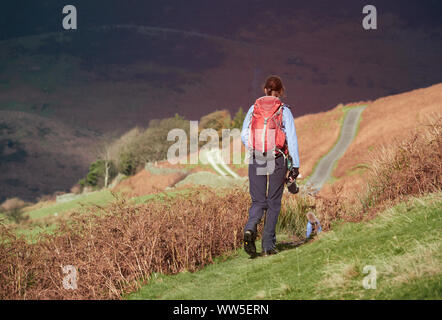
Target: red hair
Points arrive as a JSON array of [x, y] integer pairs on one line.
[[274, 83]]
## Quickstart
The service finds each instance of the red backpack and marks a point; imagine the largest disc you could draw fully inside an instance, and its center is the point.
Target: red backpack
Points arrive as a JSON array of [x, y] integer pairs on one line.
[[266, 134]]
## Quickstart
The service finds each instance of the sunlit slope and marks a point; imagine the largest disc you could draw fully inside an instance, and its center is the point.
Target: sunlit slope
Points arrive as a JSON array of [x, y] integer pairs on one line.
[[386, 121], [403, 244]]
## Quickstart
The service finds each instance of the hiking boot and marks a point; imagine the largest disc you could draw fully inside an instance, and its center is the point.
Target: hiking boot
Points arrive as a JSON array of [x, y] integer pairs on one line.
[[249, 243], [269, 252]]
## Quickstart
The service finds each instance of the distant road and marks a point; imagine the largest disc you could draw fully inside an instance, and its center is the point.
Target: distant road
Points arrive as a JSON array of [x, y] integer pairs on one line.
[[325, 166]]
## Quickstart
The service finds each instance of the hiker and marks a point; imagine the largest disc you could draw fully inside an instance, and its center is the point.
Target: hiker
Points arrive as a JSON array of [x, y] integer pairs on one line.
[[269, 134]]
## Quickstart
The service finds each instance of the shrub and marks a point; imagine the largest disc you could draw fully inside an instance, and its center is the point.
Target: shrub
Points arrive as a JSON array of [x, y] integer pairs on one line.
[[96, 174], [128, 163], [292, 217], [117, 248], [13, 210], [96, 169], [76, 189], [238, 119], [82, 182], [413, 167], [150, 145], [216, 120]]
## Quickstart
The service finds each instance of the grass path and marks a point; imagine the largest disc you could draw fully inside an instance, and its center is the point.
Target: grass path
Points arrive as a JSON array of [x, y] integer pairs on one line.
[[403, 243]]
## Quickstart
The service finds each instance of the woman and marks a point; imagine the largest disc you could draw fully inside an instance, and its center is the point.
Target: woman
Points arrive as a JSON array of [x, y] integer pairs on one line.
[[269, 134]]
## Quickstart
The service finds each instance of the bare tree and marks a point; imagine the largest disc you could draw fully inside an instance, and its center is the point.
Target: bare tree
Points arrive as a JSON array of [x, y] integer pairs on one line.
[[107, 151]]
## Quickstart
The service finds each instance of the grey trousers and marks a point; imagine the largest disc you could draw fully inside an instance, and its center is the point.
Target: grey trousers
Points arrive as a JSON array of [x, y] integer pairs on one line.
[[264, 198]]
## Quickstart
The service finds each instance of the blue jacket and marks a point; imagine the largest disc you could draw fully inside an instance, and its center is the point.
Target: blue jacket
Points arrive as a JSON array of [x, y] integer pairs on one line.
[[288, 128]]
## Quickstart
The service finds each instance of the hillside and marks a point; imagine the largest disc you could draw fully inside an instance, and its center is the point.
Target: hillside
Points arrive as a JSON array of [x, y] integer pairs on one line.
[[384, 122], [79, 80], [88, 117], [40, 155], [117, 72], [60, 147], [136, 72], [393, 226], [317, 134], [313, 144], [403, 243]]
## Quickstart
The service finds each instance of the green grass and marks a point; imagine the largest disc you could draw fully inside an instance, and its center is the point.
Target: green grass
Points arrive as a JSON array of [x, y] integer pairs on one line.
[[160, 196], [32, 233], [99, 198], [103, 197], [403, 243], [358, 169], [33, 229]]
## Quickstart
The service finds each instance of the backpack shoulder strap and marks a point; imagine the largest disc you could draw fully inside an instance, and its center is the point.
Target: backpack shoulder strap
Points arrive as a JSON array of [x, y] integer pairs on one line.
[[278, 111], [252, 114]]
